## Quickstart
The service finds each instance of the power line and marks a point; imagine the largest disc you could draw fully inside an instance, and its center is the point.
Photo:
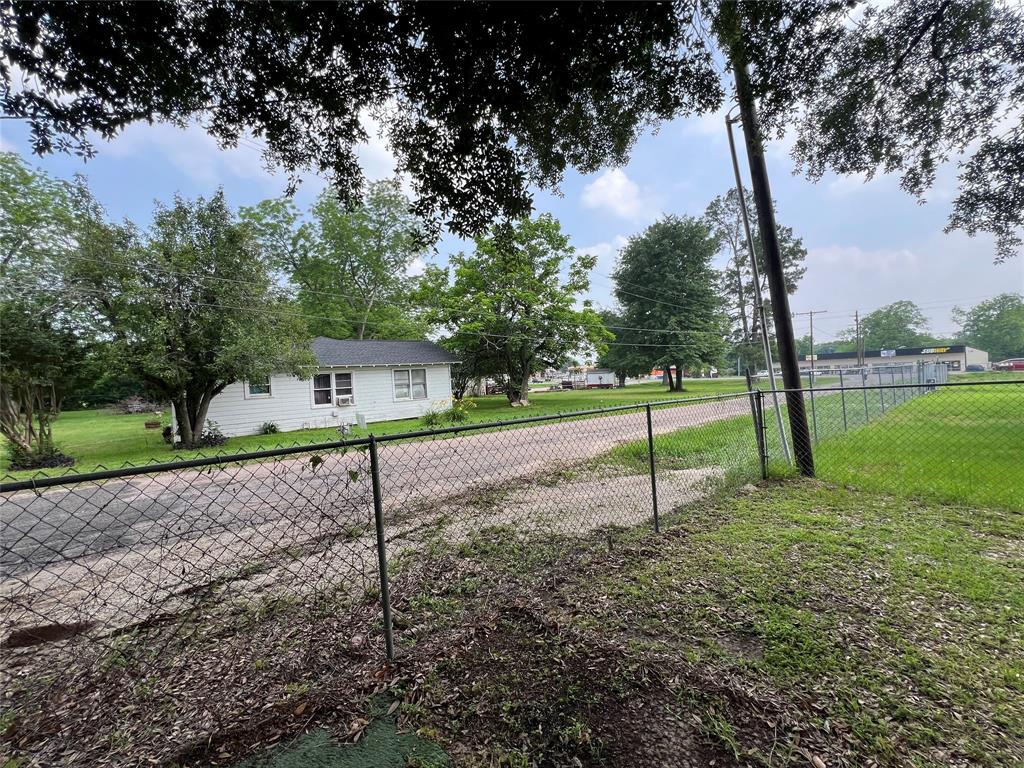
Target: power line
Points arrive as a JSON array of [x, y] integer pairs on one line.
[[483, 334], [337, 294]]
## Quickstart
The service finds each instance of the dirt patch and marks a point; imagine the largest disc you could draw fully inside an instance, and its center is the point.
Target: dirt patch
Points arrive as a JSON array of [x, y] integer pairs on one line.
[[44, 633]]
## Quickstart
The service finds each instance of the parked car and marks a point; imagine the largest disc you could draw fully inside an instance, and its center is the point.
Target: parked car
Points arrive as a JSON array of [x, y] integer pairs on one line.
[[1011, 364], [974, 368]]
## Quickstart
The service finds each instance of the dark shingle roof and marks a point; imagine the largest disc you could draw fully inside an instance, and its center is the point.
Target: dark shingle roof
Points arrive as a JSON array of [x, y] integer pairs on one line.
[[352, 352]]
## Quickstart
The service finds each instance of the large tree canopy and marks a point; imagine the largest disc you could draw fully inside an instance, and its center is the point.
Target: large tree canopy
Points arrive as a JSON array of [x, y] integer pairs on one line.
[[900, 324], [349, 269], [40, 334], [995, 325], [191, 306], [483, 100], [511, 305], [475, 110], [666, 287]]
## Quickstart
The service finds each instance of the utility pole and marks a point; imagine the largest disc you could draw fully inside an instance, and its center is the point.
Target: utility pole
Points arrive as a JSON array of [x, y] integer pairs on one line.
[[772, 254], [759, 314], [813, 358], [857, 340]]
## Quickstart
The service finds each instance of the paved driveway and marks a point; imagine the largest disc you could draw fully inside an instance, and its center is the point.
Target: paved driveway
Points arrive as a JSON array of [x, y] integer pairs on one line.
[[78, 522]]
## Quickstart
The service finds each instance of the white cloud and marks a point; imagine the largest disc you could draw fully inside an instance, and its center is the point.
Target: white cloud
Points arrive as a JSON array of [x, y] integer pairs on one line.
[[615, 192], [416, 267], [710, 125], [607, 252], [194, 152], [943, 271]]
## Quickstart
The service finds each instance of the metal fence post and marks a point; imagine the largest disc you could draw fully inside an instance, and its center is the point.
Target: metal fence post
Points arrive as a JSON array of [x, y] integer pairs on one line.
[[814, 413], [757, 410], [864, 385], [382, 558], [842, 395], [881, 392], [654, 481]]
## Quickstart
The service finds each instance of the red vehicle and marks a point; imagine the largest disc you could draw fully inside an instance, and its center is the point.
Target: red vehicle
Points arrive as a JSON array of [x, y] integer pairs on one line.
[[1012, 364]]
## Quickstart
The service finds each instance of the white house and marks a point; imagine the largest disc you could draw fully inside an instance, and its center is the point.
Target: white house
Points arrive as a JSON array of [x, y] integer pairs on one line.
[[372, 380]]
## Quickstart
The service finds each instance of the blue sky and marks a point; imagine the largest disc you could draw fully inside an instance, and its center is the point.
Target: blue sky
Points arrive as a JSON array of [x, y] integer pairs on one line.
[[869, 243]]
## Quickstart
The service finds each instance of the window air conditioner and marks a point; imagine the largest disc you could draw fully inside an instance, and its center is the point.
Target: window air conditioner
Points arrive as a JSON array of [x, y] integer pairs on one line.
[[343, 400]]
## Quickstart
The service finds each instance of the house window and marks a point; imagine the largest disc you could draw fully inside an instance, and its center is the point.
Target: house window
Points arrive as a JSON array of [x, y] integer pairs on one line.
[[411, 384], [322, 389], [258, 388], [343, 384], [327, 387]]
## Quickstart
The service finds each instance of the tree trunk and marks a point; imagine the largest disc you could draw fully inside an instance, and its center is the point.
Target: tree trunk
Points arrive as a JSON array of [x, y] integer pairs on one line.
[[181, 415], [621, 378]]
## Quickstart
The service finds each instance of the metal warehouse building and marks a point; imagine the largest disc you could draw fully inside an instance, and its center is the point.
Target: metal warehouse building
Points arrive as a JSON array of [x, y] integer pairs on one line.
[[957, 356]]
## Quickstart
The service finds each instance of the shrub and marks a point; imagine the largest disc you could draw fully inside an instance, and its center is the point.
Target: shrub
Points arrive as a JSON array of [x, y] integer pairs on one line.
[[212, 436], [46, 457], [432, 418], [459, 411], [269, 428], [447, 412], [168, 434]]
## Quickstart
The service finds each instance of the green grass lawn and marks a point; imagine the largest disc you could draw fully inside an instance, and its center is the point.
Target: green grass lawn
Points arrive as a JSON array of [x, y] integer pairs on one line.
[[956, 445], [103, 439], [761, 629]]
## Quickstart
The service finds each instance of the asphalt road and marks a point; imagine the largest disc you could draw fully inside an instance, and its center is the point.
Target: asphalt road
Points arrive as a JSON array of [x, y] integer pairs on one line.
[[79, 522]]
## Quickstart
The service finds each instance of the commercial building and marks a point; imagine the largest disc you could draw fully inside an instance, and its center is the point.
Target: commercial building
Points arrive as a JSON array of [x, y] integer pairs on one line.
[[956, 356]]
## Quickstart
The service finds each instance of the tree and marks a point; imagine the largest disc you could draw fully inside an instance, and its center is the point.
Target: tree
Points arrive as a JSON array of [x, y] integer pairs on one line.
[[475, 111], [191, 306], [39, 348], [900, 324], [38, 355], [514, 301], [350, 268], [995, 325], [482, 102], [666, 286], [724, 217], [624, 355]]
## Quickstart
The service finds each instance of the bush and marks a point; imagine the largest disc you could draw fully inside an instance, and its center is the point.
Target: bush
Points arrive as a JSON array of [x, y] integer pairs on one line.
[[459, 411], [453, 412], [212, 436], [269, 428], [432, 418], [168, 434], [46, 457]]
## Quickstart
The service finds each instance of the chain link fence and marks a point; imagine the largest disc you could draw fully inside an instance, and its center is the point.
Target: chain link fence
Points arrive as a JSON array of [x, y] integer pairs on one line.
[[156, 613], [192, 612]]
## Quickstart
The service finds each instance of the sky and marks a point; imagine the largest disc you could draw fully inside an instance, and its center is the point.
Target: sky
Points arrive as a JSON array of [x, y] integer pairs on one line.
[[869, 244]]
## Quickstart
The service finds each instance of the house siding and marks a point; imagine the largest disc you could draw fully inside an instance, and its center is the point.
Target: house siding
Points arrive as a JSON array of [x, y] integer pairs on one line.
[[290, 404]]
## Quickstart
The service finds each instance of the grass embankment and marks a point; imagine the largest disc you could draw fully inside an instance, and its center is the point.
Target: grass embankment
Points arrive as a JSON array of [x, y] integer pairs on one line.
[[802, 621], [102, 438], [959, 445]]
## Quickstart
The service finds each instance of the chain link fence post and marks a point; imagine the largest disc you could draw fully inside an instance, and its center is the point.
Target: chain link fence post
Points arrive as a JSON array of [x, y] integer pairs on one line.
[[842, 395], [757, 411], [382, 557], [654, 481], [814, 412]]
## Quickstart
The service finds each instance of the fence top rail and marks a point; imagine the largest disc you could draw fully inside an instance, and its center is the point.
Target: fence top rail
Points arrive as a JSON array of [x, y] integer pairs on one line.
[[914, 385], [72, 478]]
